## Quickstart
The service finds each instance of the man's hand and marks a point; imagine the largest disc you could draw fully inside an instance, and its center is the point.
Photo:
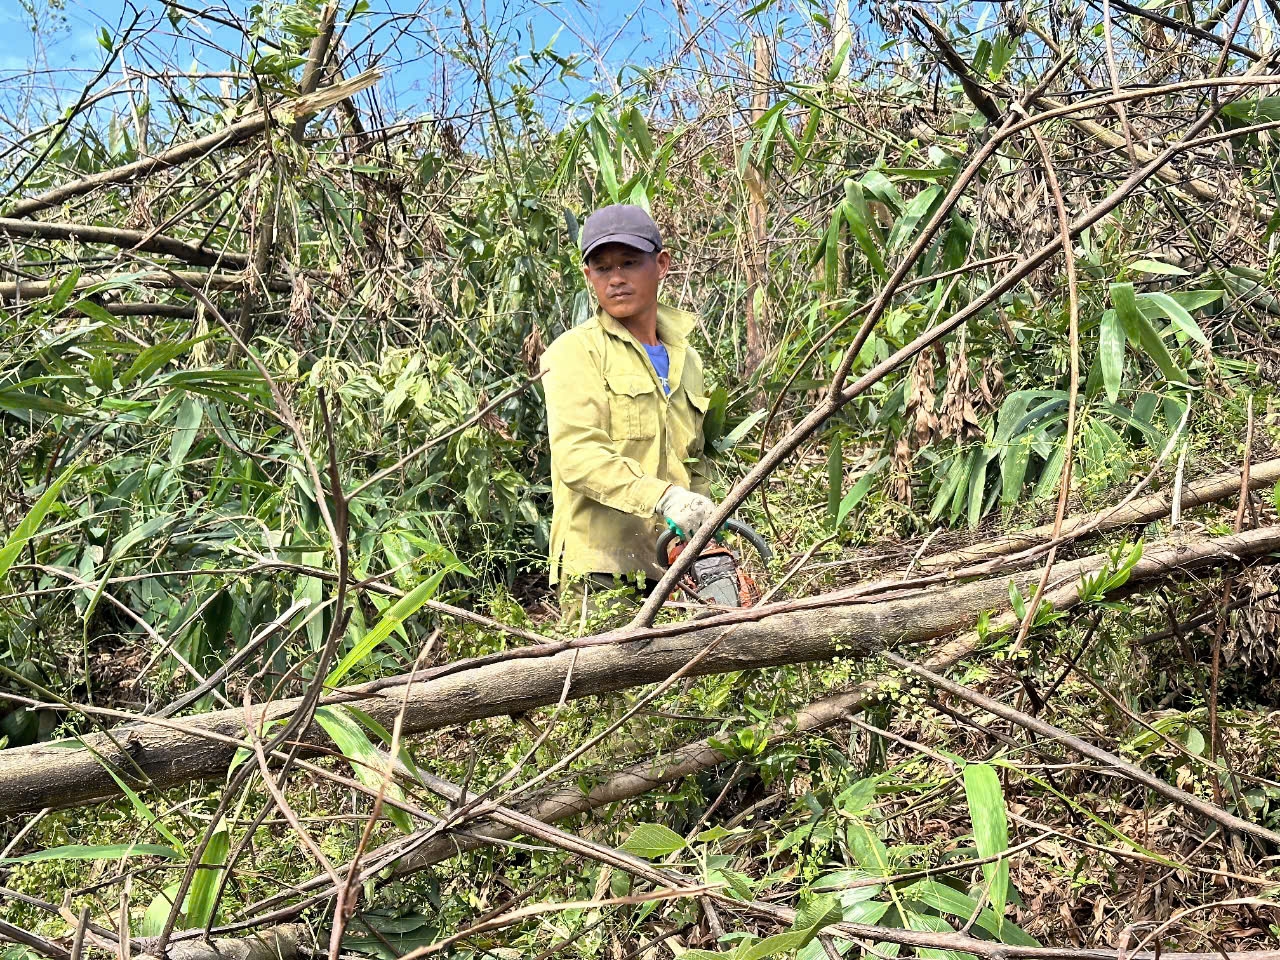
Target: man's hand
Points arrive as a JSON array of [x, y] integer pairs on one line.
[[686, 509]]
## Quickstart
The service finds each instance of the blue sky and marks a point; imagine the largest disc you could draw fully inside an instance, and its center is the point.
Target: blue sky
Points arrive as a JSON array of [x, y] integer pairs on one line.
[[608, 34]]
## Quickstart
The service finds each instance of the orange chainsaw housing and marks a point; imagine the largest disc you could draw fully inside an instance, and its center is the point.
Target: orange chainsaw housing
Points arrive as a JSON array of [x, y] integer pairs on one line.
[[748, 592]]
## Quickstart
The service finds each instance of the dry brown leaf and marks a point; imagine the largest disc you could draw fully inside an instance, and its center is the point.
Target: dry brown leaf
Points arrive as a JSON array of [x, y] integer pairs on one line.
[[958, 417]]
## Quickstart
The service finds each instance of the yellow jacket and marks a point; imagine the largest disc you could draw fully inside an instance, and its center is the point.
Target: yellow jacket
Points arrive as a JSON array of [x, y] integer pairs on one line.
[[617, 442]]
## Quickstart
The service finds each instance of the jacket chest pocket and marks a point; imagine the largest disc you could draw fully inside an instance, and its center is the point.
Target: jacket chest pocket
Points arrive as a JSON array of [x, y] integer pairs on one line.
[[633, 406]]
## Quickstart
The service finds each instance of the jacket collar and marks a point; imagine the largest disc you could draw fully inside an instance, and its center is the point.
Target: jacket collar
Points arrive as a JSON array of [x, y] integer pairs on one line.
[[674, 326]]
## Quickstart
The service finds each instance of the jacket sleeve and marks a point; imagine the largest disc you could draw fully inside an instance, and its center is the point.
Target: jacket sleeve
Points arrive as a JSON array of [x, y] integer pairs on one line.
[[700, 469], [577, 424], [700, 474]]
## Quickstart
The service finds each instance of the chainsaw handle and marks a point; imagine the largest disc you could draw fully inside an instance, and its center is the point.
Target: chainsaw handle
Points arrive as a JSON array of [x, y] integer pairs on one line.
[[740, 527]]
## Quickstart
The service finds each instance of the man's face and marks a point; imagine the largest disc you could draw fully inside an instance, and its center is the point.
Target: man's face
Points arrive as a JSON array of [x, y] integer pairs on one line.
[[625, 279]]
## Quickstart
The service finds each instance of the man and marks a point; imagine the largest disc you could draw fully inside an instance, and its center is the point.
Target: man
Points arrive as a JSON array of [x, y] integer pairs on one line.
[[625, 402]]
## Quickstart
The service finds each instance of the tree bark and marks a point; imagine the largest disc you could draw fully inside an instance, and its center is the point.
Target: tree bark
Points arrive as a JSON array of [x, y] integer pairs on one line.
[[71, 773], [274, 943]]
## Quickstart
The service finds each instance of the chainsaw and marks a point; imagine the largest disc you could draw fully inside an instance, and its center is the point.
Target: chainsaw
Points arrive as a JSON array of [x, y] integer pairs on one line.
[[716, 577]]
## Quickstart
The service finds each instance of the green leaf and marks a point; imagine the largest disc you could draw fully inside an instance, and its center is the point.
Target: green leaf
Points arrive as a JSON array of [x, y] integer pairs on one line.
[[153, 358], [139, 533], [26, 529], [604, 159], [640, 132], [367, 761], [400, 611], [200, 900], [955, 475], [814, 914], [977, 486], [925, 922], [190, 414], [864, 911], [868, 849], [857, 797], [139, 805], [990, 829], [837, 62], [1158, 267], [835, 480], [858, 491], [64, 291], [1111, 343], [94, 311], [713, 422], [1051, 473], [772, 946], [1181, 319], [101, 372], [730, 440], [861, 224], [1018, 604], [1013, 469], [653, 840], [20, 401], [1139, 330], [830, 251], [948, 900], [157, 913], [109, 851], [904, 228]]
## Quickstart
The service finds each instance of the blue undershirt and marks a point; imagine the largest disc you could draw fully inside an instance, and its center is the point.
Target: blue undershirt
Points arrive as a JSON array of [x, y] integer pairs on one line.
[[661, 364]]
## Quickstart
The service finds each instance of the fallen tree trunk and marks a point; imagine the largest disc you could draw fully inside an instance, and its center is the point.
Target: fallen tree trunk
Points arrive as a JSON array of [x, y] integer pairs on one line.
[[71, 773], [275, 943]]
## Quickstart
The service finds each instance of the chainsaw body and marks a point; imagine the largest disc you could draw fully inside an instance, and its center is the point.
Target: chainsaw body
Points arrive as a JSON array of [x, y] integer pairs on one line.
[[716, 577]]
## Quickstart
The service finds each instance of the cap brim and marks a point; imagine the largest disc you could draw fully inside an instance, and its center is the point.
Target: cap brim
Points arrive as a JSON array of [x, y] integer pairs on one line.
[[626, 239]]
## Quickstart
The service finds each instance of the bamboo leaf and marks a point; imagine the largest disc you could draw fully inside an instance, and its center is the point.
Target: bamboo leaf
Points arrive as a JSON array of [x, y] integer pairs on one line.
[[904, 228], [367, 762], [204, 887], [858, 216], [1139, 330], [65, 289], [859, 490], [1159, 268], [190, 414], [1111, 343], [640, 133], [106, 851], [1176, 313], [977, 486], [399, 612], [990, 830], [1013, 469], [604, 160], [26, 529], [835, 480], [153, 358]]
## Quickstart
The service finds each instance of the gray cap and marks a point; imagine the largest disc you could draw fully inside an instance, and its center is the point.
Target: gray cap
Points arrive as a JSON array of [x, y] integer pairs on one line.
[[622, 223]]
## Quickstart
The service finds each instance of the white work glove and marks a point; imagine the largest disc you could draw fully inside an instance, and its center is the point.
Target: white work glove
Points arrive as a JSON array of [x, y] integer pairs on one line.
[[686, 509]]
